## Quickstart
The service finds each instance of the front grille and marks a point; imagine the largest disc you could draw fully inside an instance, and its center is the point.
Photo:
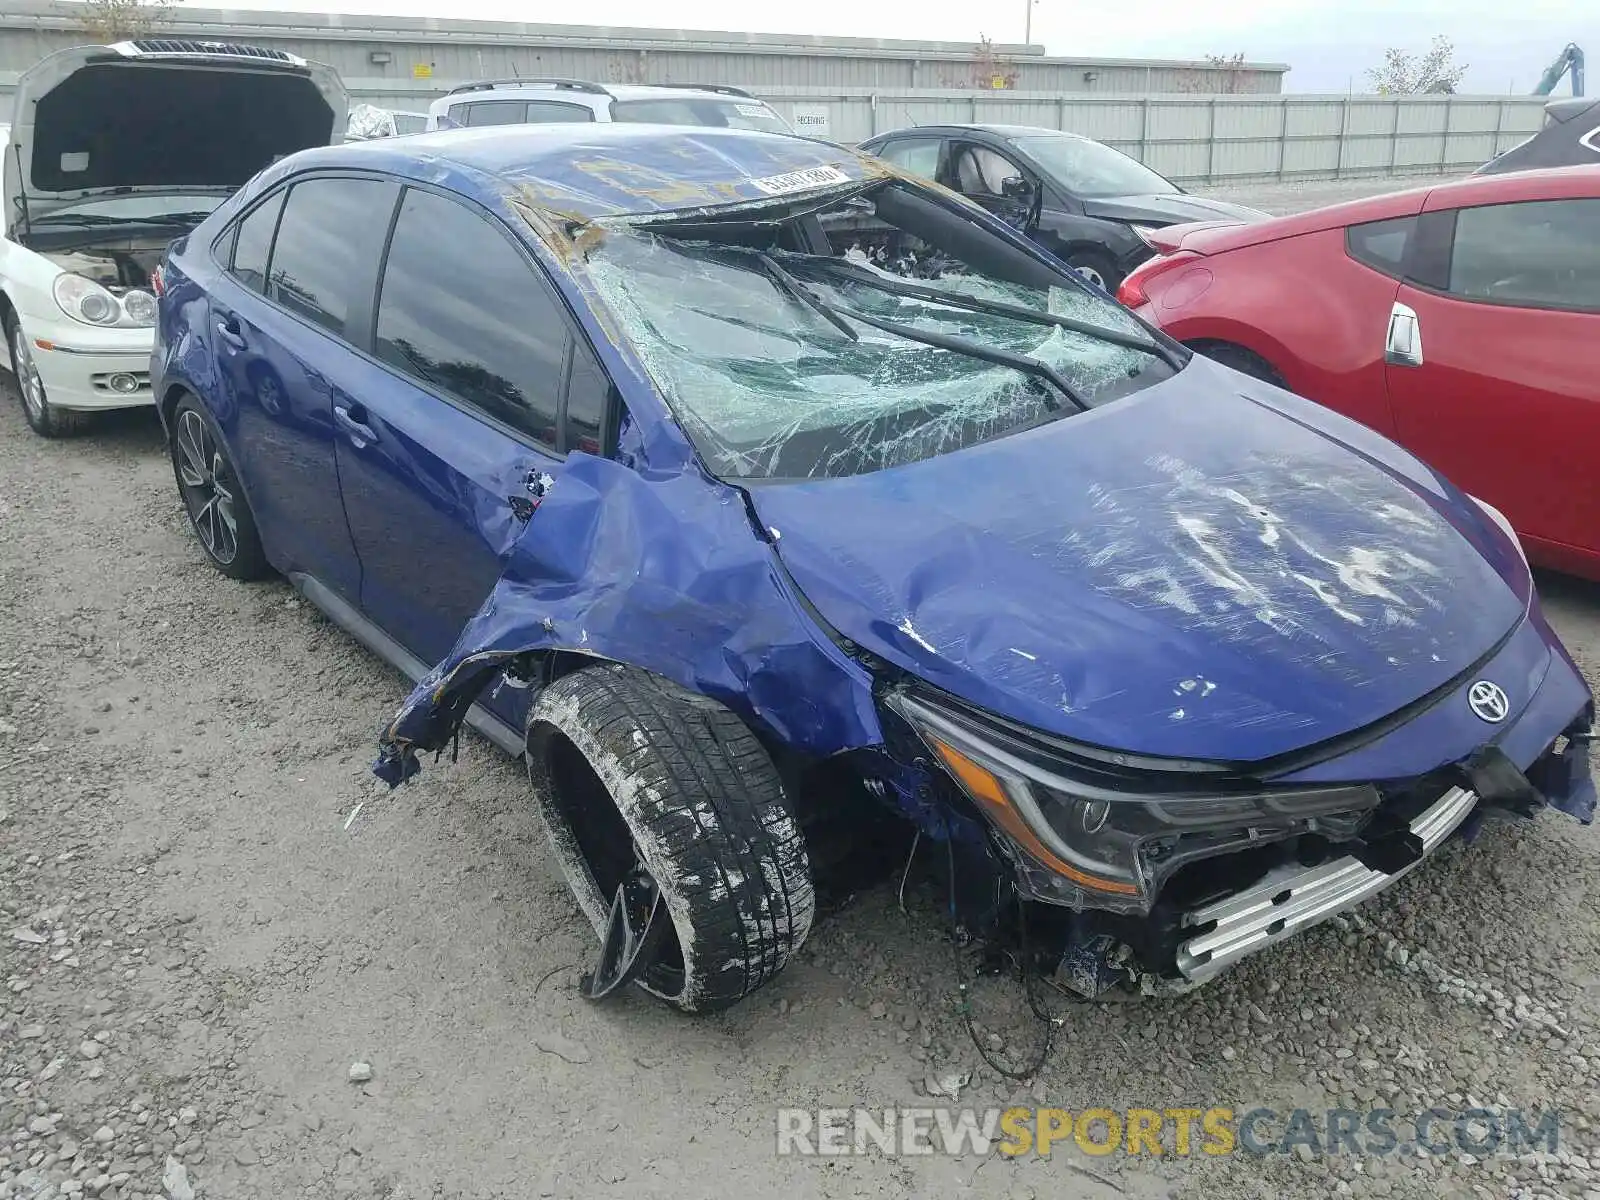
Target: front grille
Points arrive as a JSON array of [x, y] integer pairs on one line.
[[225, 49]]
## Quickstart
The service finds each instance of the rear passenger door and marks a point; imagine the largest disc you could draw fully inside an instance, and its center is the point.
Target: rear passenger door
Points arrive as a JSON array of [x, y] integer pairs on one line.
[[301, 265], [917, 155], [460, 429], [1500, 386]]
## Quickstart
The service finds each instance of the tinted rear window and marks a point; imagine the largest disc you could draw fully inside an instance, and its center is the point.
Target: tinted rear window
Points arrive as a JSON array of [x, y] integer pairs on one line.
[[548, 112], [462, 311], [253, 244], [722, 114], [1382, 245], [1541, 254], [920, 156], [492, 112], [326, 241]]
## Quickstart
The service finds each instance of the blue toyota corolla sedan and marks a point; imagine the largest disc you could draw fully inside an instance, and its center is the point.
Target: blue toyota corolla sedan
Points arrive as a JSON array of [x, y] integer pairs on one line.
[[750, 488]]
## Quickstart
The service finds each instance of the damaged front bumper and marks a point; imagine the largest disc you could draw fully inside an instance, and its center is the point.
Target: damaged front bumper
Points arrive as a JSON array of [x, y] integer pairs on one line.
[[1292, 898], [1209, 871]]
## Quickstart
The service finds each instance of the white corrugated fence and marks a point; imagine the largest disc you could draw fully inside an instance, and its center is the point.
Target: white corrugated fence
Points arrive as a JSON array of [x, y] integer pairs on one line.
[[1190, 139]]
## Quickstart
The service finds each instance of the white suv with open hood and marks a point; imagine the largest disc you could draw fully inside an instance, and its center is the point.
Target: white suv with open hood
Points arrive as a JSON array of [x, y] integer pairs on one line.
[[113, 152]]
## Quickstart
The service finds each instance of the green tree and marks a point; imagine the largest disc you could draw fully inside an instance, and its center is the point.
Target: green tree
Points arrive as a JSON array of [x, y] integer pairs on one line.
[[1406, 74], [105, 21]]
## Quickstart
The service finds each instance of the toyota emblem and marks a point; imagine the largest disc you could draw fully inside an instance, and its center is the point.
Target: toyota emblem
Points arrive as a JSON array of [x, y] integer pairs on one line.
[[1489, 701]]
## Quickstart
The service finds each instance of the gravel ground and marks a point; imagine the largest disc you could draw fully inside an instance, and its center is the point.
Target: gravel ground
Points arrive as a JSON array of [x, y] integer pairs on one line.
[[233, 966]]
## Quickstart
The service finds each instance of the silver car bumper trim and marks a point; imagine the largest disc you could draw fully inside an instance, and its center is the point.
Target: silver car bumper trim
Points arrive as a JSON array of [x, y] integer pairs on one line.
[[1292, 898]]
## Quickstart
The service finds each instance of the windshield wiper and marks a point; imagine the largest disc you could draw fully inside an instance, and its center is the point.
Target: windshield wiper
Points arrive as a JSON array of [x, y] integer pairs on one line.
[[836, 314], [960, 345], [78, 219], [96, 220], [798, 291], [999, 308]]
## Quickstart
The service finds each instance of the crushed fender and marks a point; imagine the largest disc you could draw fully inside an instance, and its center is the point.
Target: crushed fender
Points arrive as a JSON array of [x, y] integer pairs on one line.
[[660, 571]]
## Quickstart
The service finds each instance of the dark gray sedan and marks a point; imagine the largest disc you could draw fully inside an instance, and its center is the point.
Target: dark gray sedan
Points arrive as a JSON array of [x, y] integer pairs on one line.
[[1088, 204]]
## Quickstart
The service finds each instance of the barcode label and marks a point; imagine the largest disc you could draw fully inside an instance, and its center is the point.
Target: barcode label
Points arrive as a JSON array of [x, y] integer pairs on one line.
[[799, 181]]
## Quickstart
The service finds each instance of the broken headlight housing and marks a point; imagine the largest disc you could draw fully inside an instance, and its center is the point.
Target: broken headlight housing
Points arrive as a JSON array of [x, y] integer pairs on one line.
[[1108, 831]]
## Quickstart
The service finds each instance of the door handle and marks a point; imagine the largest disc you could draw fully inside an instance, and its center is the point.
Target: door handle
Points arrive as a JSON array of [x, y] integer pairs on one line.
[[353, 420], [228, 330], [1404, 345]]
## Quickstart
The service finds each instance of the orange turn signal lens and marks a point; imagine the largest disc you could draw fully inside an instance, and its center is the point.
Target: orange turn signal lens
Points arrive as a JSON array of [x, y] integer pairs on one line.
[[982, 785]]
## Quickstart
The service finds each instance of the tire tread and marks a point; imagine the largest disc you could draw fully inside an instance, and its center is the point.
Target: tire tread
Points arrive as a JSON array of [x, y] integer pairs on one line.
[[715, 805]]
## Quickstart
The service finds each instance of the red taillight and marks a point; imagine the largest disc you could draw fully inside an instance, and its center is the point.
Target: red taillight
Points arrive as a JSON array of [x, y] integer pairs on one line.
[[158, 281], [1133, 293]]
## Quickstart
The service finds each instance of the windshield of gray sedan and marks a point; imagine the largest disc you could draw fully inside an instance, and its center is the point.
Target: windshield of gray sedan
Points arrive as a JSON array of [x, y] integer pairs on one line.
[[864, 334], [1091, 169]]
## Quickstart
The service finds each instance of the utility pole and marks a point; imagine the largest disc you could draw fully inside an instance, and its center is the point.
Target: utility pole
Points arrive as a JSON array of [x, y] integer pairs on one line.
[[1027, 27]]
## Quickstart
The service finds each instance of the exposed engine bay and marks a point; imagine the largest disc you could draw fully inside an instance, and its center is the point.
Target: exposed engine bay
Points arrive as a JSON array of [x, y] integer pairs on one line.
[[115, 263]]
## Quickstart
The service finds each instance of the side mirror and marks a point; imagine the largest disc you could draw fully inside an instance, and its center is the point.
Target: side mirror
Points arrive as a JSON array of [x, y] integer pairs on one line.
[[1016, 187]]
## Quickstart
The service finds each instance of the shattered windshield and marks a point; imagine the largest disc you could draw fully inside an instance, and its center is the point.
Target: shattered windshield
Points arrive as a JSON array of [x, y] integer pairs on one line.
[[783, 362]]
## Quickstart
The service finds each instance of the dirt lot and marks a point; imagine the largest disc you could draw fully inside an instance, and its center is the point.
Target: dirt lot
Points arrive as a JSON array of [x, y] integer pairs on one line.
[[209, 912]]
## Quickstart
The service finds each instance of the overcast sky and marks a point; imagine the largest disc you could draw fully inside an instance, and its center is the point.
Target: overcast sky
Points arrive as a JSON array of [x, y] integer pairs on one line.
[[1329, 43]]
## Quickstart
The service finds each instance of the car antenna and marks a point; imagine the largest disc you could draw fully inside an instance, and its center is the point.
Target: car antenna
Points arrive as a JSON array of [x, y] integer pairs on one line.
[[22, 188]]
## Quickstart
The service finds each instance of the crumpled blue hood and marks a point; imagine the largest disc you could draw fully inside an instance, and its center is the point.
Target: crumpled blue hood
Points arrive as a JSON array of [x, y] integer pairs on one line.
[[1193, 572]]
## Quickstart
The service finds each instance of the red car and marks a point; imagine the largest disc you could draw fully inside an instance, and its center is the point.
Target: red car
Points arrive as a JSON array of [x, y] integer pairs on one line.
[[1461, 320]]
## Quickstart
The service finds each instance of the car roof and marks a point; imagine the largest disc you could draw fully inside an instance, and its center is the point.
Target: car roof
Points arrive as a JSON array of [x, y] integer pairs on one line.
[[605, 169], [1564, 110], [1550, 183], [1004, 131], [615, 91], [644, 91]]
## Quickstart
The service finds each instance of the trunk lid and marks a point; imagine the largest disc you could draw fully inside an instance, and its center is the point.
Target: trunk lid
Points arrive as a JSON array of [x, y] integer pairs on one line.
[[148, 117], [1209, 569]]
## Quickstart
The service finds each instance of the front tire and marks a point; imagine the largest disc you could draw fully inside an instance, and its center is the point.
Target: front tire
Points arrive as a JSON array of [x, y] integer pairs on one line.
[[1246, 362], [630, 770], [219, 514], [43, 418], [1098, 267]]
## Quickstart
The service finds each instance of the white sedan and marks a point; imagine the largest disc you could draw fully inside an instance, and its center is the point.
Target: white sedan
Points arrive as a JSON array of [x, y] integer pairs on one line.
[[98, 177]]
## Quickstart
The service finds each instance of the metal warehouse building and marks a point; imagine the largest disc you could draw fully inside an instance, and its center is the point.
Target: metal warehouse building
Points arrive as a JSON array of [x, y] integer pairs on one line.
[[404, 62]]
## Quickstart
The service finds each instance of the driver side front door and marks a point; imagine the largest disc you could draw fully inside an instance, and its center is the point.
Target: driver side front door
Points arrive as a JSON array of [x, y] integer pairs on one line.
[[994, 180]]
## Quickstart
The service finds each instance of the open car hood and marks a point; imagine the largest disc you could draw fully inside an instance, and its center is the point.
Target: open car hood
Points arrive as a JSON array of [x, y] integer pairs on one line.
[[154, 116], [1210, 569]]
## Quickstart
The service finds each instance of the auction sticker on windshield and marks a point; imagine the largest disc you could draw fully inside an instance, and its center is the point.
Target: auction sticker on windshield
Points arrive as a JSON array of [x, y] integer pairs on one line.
[[798, 181]]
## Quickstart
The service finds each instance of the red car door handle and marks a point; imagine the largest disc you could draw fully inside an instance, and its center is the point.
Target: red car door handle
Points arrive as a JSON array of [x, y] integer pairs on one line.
[[1404, 346]]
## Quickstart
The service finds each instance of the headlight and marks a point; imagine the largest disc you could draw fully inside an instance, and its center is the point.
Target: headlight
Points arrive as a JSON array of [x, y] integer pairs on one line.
[[85, 300], [1146, 232], [1089, 844], [140, 307]]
